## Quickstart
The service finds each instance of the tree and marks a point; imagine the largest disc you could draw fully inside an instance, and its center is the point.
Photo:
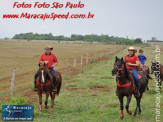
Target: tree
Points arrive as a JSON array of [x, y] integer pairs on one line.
[[138, 41]]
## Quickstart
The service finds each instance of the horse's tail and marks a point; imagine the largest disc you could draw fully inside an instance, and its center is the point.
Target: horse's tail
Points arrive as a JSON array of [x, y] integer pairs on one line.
[[59, 84]]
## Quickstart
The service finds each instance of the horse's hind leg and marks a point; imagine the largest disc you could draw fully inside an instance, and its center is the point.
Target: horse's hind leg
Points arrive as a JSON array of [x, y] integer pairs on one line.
[[46, 100], [121, 107], [147, 85], [127, 104], [52, 99], [137, 105]]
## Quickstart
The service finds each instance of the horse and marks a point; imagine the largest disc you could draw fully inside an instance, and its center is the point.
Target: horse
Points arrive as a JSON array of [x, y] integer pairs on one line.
[[44, 85], [126, 86], [146, 71], [157, 68]]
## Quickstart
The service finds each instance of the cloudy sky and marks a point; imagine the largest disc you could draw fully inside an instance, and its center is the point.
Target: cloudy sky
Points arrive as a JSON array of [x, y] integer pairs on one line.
[[132, 18]]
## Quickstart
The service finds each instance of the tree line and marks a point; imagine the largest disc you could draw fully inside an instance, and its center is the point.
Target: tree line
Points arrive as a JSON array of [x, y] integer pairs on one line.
[[75, 37]]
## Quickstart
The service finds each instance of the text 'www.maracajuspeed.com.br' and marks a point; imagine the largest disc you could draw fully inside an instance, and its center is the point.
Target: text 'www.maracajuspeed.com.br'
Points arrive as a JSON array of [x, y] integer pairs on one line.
[[45, 16]]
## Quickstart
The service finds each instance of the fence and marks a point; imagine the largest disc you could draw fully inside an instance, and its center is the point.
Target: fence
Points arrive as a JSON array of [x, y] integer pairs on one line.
[[77, 62]]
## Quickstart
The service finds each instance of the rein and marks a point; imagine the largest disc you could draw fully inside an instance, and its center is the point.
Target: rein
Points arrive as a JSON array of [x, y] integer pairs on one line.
[[118, 75], [42, 85]]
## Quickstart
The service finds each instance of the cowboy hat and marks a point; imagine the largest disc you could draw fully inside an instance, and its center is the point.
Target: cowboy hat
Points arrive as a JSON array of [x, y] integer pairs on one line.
[[132, 49], [48, 47], [141, 50]]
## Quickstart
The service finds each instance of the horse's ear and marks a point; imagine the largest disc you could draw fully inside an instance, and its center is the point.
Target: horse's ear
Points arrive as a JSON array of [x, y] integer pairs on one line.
[[44, 64], [116, 58], [151, 62], [39, 64], [122, 59]]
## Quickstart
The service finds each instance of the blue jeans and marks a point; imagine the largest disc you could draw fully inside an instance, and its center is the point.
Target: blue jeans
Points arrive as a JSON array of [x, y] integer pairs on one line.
[[136, 77], [51, 72]]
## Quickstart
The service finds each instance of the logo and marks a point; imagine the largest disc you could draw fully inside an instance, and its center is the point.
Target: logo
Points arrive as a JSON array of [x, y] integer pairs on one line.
[[17, 112]]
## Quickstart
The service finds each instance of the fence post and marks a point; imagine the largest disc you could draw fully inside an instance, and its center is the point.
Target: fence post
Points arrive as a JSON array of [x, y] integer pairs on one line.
[[66, 66], [75, 62], [12, 82], [81, 60], [87, 59]]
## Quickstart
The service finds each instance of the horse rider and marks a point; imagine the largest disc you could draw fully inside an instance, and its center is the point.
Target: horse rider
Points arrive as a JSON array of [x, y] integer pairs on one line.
[[132, 62], [50, 61]]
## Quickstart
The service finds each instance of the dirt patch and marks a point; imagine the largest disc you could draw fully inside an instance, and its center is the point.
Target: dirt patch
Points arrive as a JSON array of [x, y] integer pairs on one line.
[[17, 76], [100, 88], [71, 89]]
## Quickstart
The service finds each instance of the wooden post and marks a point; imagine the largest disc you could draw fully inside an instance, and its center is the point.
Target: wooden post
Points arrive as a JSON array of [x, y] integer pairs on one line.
[[75, 62], [12, 82], [81, 60], [87, 59], [66, 66]]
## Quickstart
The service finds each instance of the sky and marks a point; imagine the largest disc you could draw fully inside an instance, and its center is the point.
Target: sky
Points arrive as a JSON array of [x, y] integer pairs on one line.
[[122, 18]]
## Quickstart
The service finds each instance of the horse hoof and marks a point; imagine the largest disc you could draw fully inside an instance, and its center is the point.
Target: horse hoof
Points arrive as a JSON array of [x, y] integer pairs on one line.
[[139, 113], [40, 111], [129, 112], [121, 117], [134, 116], [46, 107]]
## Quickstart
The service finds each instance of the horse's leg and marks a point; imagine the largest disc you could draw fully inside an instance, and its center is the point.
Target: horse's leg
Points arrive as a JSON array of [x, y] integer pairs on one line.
[[147, 85], [52, 100], [121, 107], [40, 101], [137, 105], [46, 100], [127, 104]]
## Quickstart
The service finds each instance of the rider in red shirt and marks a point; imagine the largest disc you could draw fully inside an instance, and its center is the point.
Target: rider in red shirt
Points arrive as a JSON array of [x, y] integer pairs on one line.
[[132, 61], [51, 61]]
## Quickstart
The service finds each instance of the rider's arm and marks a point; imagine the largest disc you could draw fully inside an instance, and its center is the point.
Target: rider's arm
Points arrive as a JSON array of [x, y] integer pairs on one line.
[[55, 64], [136, 64], [55, 60], [145, 60]]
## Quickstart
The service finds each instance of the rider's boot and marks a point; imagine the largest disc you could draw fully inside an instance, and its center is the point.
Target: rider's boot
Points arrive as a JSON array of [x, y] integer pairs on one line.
[[54, 89]]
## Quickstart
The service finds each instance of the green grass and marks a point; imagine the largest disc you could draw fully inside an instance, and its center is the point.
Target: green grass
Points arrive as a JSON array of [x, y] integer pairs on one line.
[[90, 96], [94, 99]]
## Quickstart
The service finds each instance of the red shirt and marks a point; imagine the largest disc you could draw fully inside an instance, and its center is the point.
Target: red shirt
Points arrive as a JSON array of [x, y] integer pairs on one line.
[[132, 60], [50, 58]]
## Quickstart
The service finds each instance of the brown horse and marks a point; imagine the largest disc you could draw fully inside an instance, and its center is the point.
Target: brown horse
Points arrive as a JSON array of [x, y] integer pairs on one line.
[[125, 86], [157, 68], [146, 71], [44, 85]]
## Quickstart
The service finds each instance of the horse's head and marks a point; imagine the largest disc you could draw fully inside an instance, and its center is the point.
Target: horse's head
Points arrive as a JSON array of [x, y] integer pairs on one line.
[[153, 67], [43, 73], [118, 66]]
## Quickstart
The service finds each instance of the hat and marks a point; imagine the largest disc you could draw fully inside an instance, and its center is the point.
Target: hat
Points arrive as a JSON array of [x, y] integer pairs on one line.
[[132, 49], [48, 47], [141, 50]]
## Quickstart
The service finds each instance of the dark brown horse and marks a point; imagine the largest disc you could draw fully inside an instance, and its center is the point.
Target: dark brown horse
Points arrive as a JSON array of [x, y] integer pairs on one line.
[[125, 86], [44, 85], [146, 71], [157, 69]]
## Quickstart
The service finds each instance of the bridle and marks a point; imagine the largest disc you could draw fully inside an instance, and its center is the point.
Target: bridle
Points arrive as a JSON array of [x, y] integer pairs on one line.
[[119, 70]]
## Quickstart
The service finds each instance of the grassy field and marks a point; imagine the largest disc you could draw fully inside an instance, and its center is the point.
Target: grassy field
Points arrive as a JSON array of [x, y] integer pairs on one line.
[[86, 97]]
